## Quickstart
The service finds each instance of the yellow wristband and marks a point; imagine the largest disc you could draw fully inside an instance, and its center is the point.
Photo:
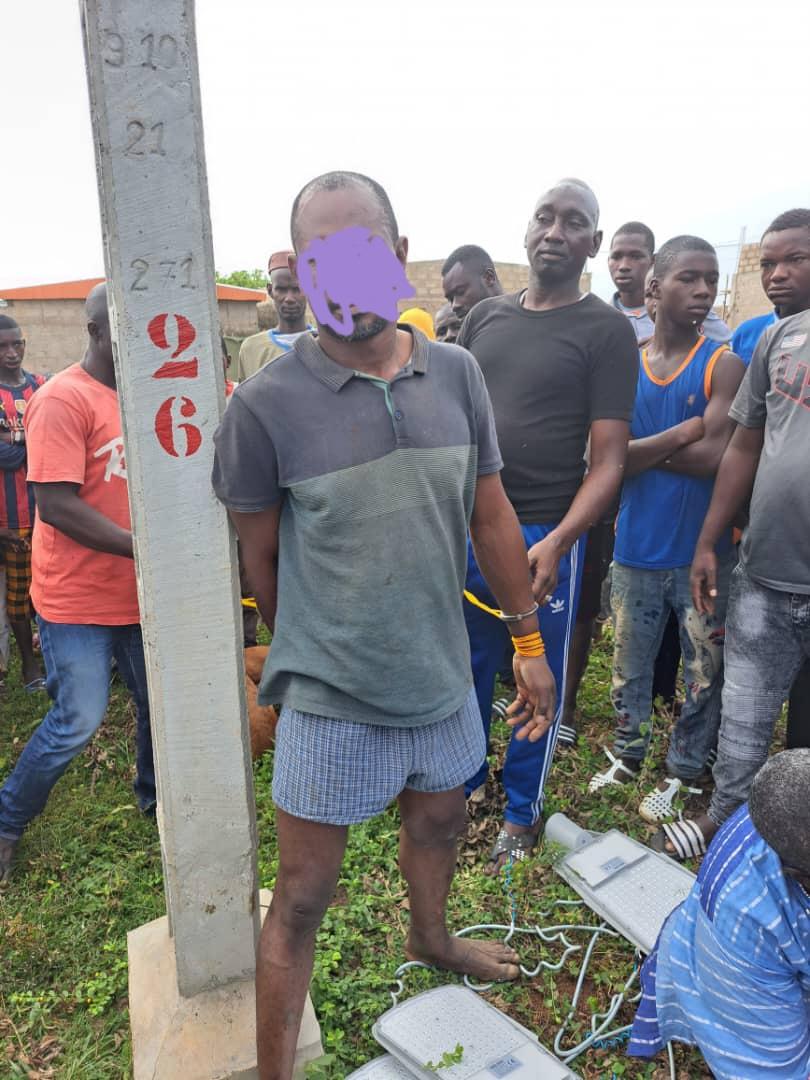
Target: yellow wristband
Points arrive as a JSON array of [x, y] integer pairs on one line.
[[529, 644]]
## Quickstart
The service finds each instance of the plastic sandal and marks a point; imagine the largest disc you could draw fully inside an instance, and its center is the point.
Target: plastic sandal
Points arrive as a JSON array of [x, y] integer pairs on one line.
[[567, 735], [659, 805], [611, 778], [500, 706], [517, 848], [686, 838]]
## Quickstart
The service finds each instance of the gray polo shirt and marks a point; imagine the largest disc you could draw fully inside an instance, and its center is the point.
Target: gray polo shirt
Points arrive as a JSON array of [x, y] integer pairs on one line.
[[377, 482], [775, 395]]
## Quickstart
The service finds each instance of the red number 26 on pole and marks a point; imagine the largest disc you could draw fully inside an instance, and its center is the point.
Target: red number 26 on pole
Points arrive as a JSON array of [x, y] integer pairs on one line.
[[169, 419]]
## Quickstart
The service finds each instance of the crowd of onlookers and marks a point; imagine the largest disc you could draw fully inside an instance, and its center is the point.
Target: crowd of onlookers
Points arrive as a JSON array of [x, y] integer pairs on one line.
[[556, 459]]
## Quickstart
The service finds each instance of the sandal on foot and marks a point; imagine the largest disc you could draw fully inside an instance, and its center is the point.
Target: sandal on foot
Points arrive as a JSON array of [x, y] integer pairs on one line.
[[616, 775], [566, 735], [686, 838], [500, 706], [34, 686], [659, 805], [516, 847]]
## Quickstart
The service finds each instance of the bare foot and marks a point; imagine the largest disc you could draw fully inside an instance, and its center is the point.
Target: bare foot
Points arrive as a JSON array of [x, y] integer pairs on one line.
[[485, 961], [528, 835]]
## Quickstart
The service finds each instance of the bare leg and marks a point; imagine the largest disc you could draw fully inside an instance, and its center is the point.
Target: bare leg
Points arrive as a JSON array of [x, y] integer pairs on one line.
[[310, 855], [578, 651], [25, 642], [431, 823]]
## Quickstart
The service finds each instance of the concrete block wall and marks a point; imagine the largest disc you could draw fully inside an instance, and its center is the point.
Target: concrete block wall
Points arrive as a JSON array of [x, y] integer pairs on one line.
[[55, 331], [747, 295]]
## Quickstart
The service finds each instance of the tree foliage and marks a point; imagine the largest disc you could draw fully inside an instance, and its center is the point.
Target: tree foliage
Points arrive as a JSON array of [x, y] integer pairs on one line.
[[247, 279]]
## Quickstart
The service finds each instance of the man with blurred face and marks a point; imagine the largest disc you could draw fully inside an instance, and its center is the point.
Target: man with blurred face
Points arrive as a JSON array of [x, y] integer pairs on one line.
[[353, 467], [629, 261], [291, 307], [447, 325], [468, 276], [561, 369]]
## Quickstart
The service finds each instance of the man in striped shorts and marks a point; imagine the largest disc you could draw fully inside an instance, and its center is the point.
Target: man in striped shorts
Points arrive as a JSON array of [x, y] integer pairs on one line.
[[352, 467]]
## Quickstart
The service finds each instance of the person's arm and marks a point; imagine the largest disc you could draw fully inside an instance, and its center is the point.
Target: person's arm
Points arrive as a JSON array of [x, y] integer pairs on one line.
[[599, 489], [702, 458], [258, 543], [500, 552], [651, 451], [59, 505], [735, 476], [732, 488]]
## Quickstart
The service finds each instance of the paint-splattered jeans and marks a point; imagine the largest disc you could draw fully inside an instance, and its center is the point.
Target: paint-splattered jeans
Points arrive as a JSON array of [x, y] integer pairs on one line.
[[768, 641], [641, 601]]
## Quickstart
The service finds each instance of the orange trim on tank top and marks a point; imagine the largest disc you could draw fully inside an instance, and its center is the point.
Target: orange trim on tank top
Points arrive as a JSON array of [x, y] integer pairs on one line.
[[707, 377], [687, 361]]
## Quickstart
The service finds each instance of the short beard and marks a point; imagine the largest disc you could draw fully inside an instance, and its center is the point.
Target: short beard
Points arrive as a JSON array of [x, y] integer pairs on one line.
[[363, 332]]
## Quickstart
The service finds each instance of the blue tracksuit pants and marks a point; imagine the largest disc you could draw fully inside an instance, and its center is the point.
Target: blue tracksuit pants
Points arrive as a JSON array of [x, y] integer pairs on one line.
[[527, 764]]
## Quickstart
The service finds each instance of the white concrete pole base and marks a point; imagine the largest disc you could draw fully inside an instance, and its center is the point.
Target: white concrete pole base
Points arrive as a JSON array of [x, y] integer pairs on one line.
[[211, 1036]]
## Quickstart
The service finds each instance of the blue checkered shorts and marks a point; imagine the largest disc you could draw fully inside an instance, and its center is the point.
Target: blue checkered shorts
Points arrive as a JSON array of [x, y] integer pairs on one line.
[[341, 772]]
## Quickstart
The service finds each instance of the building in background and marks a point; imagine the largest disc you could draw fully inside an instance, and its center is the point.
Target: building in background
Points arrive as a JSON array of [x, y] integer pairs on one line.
[[55, 326], [747, 296]]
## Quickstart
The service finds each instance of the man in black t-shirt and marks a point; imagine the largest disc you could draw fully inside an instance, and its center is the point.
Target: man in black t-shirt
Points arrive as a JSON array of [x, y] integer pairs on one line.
[[560, 367]]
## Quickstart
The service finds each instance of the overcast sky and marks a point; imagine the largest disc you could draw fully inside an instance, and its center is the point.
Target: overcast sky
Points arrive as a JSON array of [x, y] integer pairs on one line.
[[691, 116]]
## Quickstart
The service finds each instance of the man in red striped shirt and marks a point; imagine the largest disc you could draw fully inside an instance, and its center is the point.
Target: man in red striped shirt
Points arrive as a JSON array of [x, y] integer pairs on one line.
[[16, 495]]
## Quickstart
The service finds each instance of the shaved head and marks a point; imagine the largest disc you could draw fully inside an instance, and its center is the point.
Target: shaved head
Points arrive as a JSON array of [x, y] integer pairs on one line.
[[96, 305], [585, 190]]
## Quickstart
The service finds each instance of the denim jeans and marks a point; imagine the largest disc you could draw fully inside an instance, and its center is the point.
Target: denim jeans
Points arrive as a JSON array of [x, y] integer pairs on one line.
[[642, 601], [767, 642], [77, 663]]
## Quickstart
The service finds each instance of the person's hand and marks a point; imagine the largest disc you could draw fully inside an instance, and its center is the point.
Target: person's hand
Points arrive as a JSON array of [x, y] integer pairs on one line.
[[692, 430], [703, 580], [532, 711], [544, 565]]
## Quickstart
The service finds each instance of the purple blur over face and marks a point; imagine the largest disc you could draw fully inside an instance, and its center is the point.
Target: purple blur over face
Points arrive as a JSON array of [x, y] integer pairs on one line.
[[346, 265]]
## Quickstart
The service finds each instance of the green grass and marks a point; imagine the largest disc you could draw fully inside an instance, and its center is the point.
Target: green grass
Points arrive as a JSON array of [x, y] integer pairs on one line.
[[88, 870]]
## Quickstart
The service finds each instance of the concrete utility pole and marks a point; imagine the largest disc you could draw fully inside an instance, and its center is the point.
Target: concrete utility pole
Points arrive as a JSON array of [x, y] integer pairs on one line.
[[147, 126]]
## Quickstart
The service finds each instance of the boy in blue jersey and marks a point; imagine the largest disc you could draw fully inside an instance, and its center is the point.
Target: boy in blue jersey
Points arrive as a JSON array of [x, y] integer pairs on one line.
[[679, 431]]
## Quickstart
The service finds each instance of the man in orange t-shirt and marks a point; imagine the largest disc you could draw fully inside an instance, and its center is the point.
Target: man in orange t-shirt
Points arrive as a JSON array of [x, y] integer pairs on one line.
[[83, 577]]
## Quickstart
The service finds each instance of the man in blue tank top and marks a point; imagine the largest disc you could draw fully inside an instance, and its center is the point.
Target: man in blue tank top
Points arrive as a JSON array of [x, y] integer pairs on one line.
[[680, 428]]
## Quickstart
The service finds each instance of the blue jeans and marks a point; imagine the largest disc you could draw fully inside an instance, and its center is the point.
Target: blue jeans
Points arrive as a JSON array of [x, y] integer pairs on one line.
[[77, 664], [641, 601], [527, 763], [767, 643]]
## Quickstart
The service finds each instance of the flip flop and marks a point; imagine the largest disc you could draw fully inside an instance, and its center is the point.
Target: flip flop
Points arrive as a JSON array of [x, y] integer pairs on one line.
[[35, 686]]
